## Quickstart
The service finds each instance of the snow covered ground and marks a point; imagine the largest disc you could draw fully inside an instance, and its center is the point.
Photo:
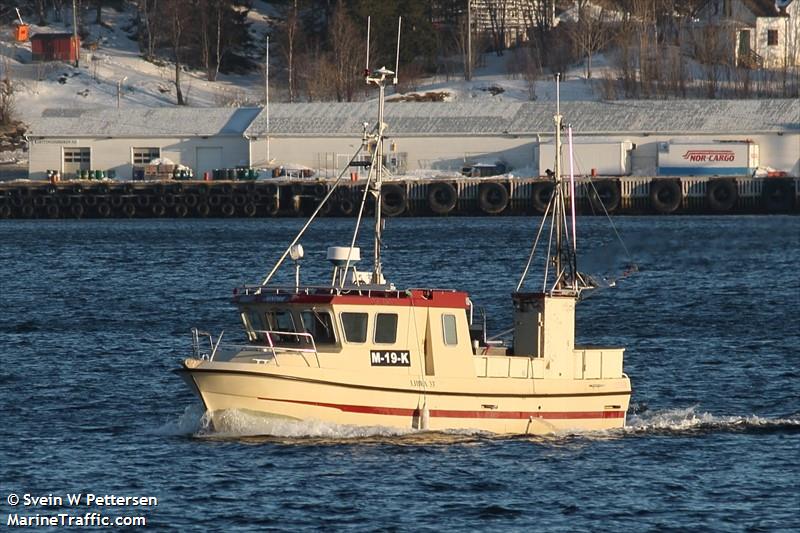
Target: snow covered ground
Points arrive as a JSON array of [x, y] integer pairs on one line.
[[116, 62]]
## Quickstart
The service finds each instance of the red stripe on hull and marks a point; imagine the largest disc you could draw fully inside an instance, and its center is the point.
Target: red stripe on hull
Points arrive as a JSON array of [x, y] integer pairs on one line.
[[446, 413]]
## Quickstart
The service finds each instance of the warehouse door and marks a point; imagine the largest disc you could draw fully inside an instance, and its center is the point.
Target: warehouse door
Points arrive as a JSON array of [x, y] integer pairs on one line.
[[208, 158], [75, 160]]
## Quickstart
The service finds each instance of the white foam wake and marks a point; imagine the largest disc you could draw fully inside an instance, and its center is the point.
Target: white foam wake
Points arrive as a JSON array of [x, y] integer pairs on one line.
[[691, 420]]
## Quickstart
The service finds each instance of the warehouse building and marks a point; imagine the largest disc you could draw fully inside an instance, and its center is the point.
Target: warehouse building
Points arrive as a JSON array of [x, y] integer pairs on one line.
[[117, 140], [449, 137], [611, 138]]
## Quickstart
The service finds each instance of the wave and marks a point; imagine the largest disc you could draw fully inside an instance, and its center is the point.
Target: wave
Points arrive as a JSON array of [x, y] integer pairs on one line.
[[690, 421], [194, 422]]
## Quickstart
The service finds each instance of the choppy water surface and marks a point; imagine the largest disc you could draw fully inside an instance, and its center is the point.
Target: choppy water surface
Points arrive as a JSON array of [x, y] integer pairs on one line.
[[95, 314]]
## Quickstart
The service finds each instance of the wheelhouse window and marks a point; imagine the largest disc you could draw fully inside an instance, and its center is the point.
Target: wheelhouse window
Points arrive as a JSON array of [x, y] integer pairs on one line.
[[449, 329], [385, 328], [143, 156], [319, 325], [354, 326], [772, 37], [282, 321]]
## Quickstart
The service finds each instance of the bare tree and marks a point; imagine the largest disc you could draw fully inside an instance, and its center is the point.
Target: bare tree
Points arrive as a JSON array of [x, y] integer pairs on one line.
[[342, 37], [7, 106], [148, 16], [291, 31], [177, 12], [591, 33], [497, 11]]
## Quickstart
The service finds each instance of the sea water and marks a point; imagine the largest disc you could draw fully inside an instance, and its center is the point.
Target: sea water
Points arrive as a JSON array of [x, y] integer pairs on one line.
[[95, 314]]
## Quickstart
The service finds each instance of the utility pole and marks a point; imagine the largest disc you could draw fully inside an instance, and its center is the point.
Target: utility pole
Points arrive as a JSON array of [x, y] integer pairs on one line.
[[469, 40], [75, 33], [266, 95], [119, 89]]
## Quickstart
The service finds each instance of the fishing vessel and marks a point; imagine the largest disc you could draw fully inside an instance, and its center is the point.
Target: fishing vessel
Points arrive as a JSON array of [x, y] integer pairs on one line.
[[358, 350]]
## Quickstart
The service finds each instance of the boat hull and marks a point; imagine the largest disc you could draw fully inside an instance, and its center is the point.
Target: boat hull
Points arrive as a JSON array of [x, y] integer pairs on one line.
[[275, 394]]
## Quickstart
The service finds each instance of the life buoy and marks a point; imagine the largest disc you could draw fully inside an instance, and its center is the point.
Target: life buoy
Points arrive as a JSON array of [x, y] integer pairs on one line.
[[104, 209], [27, 210], [249, 209], [492, 198], [143, 200], [76, 209], [202, 209], [665, 195], [159, 209], [722, 194], [541, 194], [442, 198], [227, 209], [394, 200], [190, 200], [181, 210], [129, 210], [53, 211], [778, 194], [272, 205], [604, 195]]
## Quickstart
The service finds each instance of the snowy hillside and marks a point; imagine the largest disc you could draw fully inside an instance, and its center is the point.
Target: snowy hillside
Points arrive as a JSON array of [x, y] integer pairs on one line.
[[116, 62]]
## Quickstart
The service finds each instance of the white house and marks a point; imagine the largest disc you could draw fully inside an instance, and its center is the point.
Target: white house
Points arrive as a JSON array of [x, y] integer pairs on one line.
[[757, 33]]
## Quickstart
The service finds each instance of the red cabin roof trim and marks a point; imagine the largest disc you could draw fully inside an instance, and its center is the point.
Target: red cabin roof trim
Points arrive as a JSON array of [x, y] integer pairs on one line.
[[413, 298]]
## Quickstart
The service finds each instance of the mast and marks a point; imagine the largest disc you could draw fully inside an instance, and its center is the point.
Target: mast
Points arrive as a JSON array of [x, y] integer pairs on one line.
[[379, 79], [557, 118]]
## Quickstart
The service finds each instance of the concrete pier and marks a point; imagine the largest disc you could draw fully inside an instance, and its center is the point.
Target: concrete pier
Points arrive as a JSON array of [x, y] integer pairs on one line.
[[440, 196]]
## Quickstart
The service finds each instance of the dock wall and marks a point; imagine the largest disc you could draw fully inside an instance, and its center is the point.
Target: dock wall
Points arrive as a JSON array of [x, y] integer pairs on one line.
[[401, 197]]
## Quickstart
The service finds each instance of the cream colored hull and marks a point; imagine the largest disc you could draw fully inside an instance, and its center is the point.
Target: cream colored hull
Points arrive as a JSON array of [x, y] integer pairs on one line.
[[532, 406]]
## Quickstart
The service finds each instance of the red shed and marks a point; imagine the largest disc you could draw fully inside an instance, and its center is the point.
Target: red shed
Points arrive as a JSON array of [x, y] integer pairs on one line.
[[55, 47]]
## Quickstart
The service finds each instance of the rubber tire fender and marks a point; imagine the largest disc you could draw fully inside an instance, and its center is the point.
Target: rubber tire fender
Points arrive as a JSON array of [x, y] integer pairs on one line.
[[721, 194], [181, 210], [665, 195], [76, 210], [159, 209], [605, 193], [442, 198], [492, 198], [541, 193], [128, 209], [778, 194], [394, 200], [104, 209], [249, 209], [227, 209], [202, 209], [272, 205]]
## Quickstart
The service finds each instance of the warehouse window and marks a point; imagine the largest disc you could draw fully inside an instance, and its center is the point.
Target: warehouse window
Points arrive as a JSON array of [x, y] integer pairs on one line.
[[772, 37], [76, 155], [142, 156]]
